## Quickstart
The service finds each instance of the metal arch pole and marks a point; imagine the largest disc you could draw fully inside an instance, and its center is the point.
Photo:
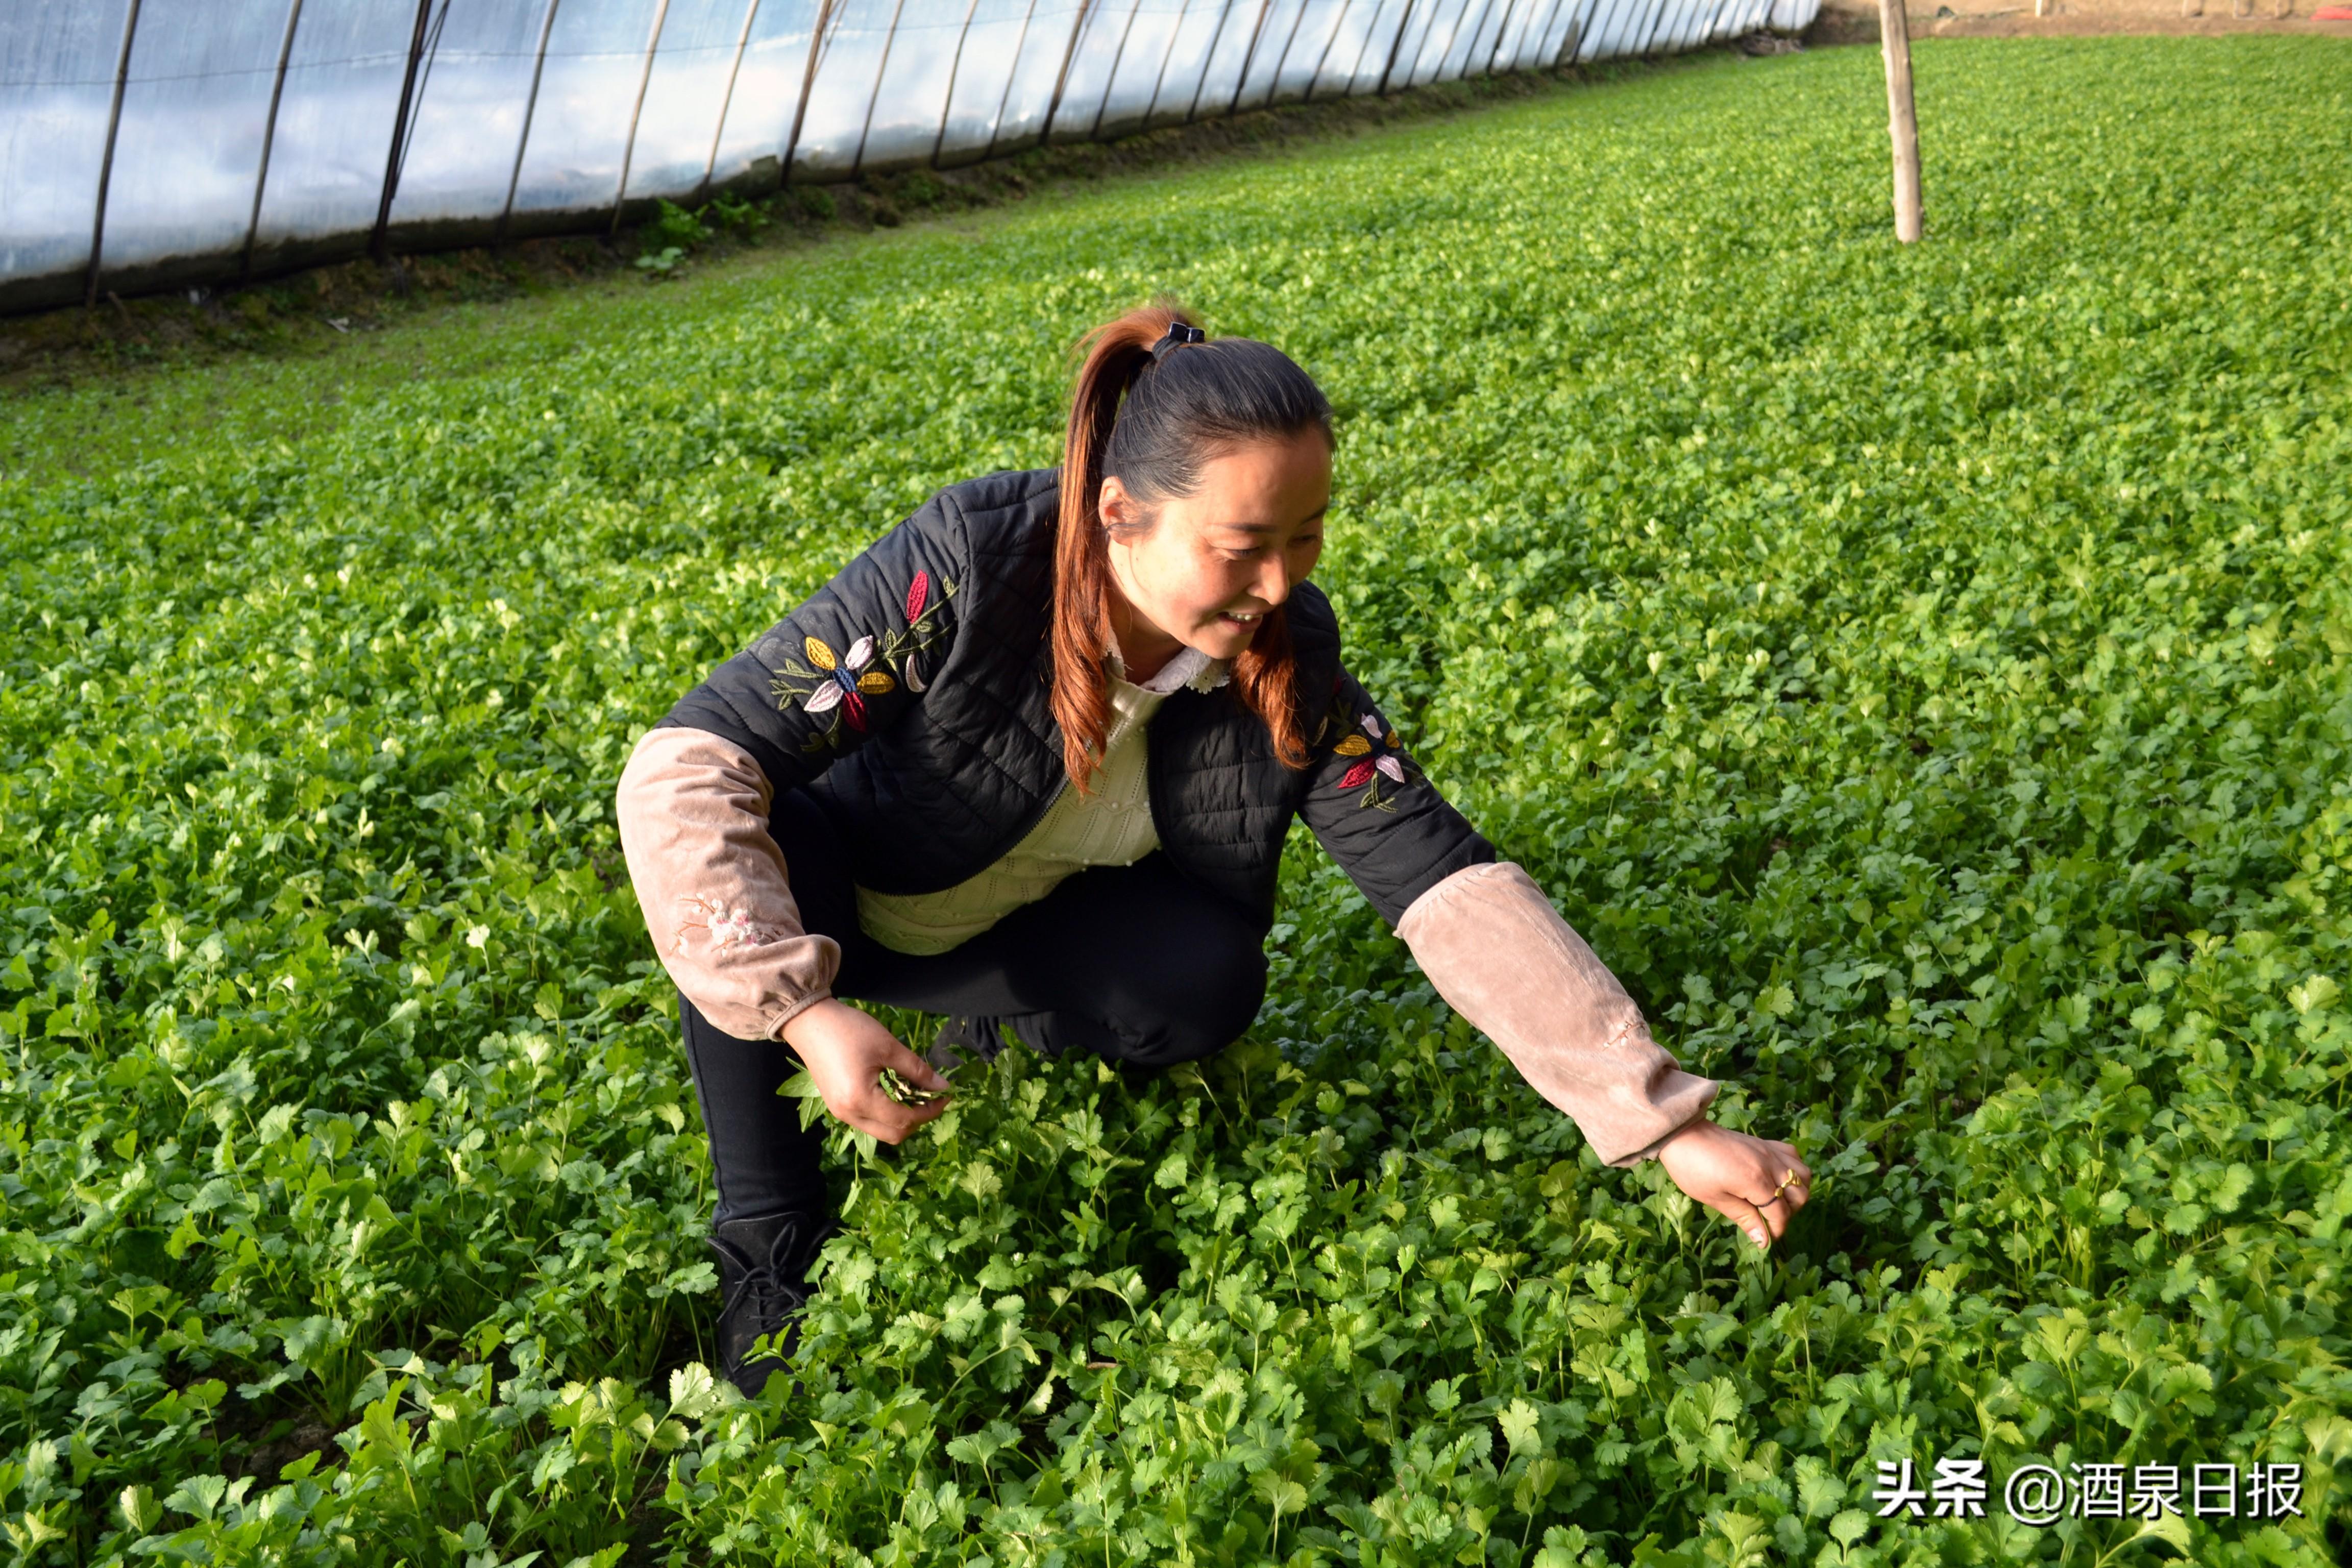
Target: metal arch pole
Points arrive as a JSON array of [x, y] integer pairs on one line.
[[1650, 23], [1543, 35], [1536, 36], [1111, 80], [106, 163], [1283, 58], [1062, 79], [1604, 16], [1249, 58], [955, 69], [1510, 13], [1324, 58], [1422, 48], [727, 98], [424, 86], [889, 39], [1591, 29], [1420, 51], [1396, 47], [808, 82], [1657, 25], [1485, 8], [1596, 29], [1620, 21], [1671, 20], [1533, 32], [1551, 61], [530, 107], [1502, 31], [268, 137], [1571, 38], [1636, 22], [1372, 31], [1454, 32], [1166, 60], [1532, 45], [1657, 22], [1224, 10], [1012, 71], [637, 110], [399, 131], [1636, 15], [1580, 14], [1532, 36]]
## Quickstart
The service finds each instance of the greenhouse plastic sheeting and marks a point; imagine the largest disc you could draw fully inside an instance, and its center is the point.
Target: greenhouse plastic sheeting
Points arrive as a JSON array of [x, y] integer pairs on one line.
[[149, 143]]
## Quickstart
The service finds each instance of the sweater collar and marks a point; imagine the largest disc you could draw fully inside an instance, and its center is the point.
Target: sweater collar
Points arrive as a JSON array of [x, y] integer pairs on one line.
[[1189, 668]]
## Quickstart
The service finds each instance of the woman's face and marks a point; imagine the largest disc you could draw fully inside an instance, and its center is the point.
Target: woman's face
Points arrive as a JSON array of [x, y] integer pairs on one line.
[[1211, 564]]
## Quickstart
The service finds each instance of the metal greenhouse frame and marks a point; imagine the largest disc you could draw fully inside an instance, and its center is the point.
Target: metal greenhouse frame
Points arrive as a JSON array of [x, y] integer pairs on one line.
[[151, 144]]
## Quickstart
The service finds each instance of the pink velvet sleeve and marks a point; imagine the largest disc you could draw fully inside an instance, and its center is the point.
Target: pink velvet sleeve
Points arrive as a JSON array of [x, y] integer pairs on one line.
[[1501, 955], [693, 814]]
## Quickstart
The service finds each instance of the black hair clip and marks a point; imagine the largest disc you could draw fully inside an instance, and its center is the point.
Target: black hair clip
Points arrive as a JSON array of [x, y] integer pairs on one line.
[[1176, 336]]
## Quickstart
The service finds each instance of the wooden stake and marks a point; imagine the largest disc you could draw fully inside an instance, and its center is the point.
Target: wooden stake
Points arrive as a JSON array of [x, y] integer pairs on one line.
[[1895, 41]]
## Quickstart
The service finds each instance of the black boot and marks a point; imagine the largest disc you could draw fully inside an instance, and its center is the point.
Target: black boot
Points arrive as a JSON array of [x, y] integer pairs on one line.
[[763, 1284]]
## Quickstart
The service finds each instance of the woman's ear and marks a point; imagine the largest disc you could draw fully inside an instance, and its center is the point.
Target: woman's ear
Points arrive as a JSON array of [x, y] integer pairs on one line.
[[1113, 503], [1118, 508]]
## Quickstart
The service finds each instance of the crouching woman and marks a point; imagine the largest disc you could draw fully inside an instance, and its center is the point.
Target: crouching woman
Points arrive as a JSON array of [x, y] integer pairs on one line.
[[1029, 762]]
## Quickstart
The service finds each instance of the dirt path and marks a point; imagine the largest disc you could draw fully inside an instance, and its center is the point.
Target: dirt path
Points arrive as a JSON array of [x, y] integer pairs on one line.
[[1845, 22]]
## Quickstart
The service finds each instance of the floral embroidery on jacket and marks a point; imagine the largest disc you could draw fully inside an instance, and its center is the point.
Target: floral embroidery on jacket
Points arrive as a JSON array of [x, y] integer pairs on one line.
[[838, 685], [1372, 746], [725, 927]]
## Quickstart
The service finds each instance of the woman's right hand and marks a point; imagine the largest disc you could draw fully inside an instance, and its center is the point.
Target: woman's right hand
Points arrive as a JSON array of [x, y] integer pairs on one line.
[[846, 1051], [1757, 1183]]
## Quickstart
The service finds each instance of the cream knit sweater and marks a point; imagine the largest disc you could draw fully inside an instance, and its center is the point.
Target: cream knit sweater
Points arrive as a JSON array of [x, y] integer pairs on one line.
[[1110, 826]]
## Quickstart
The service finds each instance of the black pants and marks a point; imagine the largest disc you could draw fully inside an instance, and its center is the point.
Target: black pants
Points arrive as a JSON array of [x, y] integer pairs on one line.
[[1136, 963]]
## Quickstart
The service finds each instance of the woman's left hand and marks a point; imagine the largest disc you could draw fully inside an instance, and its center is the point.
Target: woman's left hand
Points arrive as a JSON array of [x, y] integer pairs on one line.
[[1757, 1183]]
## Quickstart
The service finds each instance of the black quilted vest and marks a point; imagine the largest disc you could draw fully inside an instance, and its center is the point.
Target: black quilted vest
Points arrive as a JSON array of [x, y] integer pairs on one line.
[[909, 696]]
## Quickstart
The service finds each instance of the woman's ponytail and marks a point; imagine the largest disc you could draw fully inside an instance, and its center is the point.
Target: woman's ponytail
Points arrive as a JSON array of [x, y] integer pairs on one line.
[[1154, 432], [1114, 353]]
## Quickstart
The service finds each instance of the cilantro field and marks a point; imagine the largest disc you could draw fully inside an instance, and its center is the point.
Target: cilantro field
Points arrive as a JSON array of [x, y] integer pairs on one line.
[[1925, 678]]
